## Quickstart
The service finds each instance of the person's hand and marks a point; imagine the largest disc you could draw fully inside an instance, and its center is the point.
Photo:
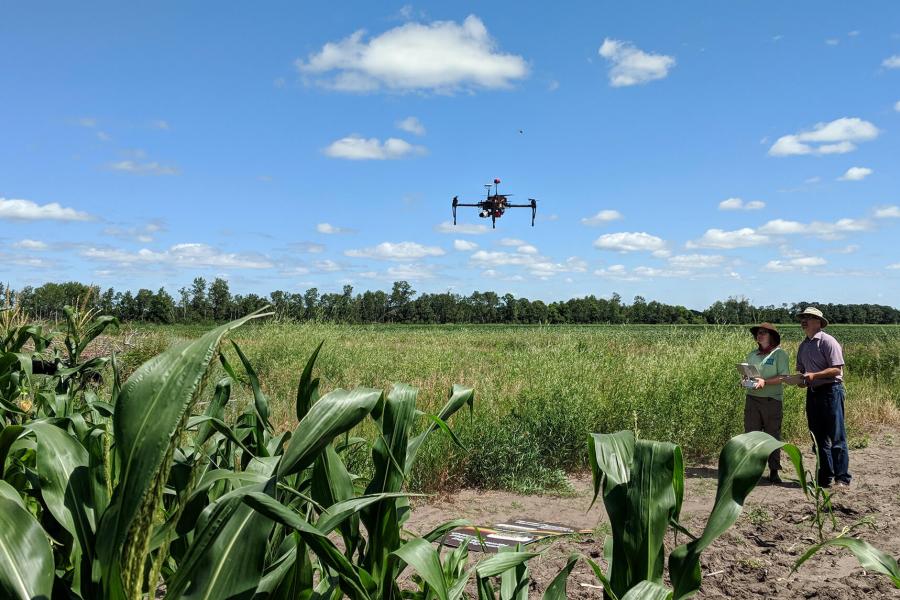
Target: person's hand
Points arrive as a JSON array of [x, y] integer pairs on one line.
[[759, 384], [808, 378]]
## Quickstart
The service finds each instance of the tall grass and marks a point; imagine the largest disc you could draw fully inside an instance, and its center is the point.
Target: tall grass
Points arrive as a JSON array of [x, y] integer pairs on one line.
[[541, 390]]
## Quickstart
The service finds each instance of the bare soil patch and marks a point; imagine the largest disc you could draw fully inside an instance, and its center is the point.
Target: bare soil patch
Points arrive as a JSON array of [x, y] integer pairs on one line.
[[752, 560]]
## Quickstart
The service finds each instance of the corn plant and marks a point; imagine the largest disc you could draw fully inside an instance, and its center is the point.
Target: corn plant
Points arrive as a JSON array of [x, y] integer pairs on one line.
[[643, 489], [145, 493]]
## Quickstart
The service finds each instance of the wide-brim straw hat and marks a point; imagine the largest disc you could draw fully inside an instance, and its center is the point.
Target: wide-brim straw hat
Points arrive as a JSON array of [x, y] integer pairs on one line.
[[811, 311], [776, 337]]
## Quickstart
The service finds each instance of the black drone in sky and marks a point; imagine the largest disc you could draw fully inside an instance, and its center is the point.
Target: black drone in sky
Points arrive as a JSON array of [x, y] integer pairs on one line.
[[495, 205]]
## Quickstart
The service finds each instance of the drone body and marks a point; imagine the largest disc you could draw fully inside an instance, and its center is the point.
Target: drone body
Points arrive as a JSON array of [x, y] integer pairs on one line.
[[494, 205]]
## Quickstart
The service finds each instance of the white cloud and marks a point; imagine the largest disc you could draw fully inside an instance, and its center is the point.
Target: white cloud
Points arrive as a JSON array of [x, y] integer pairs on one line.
[[160, 124], [739, 204], [719, 238], [888, 212], [103, 136], [142, 233], [327, 265], [816, 228], [897, 106], [800, 263], [891, 62], [526, 249], [354, 147], [464, 245], [143, 168], [536, 265], [461, 228], [855, 174], [633, 66], [630, 242], [412, 125], [511, 242], [696, 261], [832, 41], [848, 249], [329, 229], [30, 245], [87, 121], [784, 227], [398, 251], [441, 56], [25, 210], [411, 272], [893, 266], [604, 216], [835, 137], [189, 255]]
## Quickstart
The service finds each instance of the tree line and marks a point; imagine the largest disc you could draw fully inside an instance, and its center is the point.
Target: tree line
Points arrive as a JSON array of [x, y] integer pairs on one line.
[[204, 302]]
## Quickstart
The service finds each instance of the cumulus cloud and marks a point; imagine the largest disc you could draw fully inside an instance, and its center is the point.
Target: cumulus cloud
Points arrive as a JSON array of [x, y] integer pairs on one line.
[[160, 124], [836, 137], [142, 233], [696, 261], [604, 216], [891, 62], [440, 56], [411, 125], [398, 251], [897, 106], [621, 273], [888, 212], [25, 210], [536, 265], [739, 204], [893, 266], [464, 245], [511, 242], [630, 242], [630, 65], [855, 174], [354, 147], [327, 265], [802, 263], [739, 238], [461, 228], [30, 245], [191, 255], [816, 228], [329, 229], [143, 168]]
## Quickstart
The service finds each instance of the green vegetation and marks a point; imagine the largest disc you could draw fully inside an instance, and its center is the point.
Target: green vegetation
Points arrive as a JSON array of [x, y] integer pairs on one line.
[[542, 390]]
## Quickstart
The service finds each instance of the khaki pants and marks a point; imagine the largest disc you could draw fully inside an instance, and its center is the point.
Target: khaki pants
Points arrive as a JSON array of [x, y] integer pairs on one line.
[[765, 414]]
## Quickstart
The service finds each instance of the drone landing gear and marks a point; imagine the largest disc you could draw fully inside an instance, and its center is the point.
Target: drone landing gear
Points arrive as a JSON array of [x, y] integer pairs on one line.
[[455, 203]]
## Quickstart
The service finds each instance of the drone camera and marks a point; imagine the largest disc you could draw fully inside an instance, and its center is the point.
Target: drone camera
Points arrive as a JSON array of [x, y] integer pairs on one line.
[[483, 214]]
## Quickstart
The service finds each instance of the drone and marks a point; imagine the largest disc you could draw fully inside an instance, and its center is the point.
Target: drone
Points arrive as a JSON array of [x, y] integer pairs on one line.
[[495, 204]]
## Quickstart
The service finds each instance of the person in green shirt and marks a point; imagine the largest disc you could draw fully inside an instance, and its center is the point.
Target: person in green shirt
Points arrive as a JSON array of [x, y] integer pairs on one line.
[[763, 406]]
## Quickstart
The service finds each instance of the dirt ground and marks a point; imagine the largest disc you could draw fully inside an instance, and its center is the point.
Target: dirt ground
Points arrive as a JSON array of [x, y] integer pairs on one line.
[[751, 560]]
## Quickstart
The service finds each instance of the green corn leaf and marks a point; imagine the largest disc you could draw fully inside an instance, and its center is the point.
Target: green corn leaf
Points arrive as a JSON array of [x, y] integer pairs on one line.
[[741, 464], [422, 557], [215, 409], [307, 389], [26, 560], [259, 399], [502, 561], [459, 397], [10, 493], [557, 588], [63, 466], [8, 435], [610, 456], [869, 557], [335, 413], [607, 584], [648, 590], [149, 412], [341, 511]]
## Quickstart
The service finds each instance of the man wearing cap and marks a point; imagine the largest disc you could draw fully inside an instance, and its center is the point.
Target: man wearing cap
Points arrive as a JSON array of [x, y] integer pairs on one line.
[[821, 361]]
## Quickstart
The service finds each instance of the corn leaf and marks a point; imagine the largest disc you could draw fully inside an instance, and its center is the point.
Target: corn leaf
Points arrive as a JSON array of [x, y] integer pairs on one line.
[[26, 560], [741, 464], [557, 588], [335, 413], [869, 557], [149, 411], [648, 590], [307, 388], [422, 557]]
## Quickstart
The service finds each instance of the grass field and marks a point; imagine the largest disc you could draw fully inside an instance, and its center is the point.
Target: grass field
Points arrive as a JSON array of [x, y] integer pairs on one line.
[[540, 390]]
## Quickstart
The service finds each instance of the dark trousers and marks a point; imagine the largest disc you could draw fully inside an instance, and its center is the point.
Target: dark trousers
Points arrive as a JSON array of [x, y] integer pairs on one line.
[[825, 416], [765, 414]]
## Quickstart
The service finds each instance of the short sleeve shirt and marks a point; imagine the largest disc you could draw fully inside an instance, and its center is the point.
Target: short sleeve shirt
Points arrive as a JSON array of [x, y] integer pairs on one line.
[[769, 365], [820, 352]]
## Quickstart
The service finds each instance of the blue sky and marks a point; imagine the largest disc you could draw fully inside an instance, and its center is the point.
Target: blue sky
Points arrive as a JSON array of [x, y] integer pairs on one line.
[[686, 152]]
